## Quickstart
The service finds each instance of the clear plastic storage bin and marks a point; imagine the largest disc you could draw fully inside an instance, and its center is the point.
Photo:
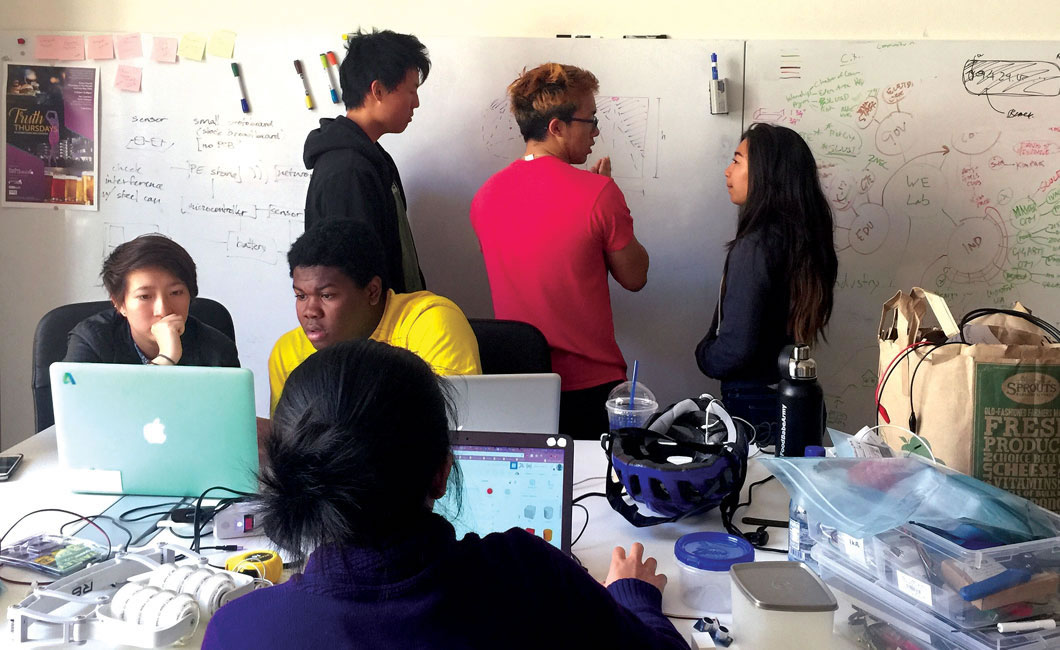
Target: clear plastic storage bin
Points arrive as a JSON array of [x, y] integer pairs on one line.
[[929, 571], [864, 602]]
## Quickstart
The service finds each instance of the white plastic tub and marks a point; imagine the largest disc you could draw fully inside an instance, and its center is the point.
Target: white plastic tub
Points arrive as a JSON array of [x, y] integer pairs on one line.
[[780, 605]]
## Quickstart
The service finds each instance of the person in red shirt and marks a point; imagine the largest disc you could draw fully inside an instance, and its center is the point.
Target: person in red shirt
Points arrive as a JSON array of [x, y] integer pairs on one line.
[[551, 233]]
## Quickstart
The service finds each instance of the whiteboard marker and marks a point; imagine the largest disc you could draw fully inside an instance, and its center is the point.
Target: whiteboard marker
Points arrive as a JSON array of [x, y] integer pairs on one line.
[[305, 84], [719, 105], [242, 91]]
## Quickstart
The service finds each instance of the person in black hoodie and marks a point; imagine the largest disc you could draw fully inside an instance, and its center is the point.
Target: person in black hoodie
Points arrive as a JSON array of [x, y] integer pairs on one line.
[[353, 176]]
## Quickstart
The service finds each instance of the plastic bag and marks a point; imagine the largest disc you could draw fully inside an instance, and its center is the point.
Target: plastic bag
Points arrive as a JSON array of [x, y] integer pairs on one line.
[[867, 496]]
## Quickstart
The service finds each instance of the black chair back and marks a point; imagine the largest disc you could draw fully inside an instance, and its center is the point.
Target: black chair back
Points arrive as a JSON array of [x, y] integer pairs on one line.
[[510, 347], [49, 343]]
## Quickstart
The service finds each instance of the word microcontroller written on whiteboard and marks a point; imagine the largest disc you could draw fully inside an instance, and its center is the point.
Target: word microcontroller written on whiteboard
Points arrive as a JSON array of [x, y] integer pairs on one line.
[[941, 161]]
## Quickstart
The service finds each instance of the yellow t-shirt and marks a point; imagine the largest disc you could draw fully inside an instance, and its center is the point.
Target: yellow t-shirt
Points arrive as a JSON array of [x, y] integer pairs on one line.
[[430, 326]]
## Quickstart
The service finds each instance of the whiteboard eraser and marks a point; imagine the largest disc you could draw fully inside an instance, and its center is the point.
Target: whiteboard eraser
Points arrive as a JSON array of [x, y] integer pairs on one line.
[[701, 641], [719, 105]]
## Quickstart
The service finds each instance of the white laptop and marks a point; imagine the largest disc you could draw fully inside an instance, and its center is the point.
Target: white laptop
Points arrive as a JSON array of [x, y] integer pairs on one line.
[[526, 403], [155, 430]]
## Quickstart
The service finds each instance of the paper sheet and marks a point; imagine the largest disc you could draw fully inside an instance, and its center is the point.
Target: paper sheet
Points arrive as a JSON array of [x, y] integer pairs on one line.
[[129, 46], [128, 78], [163, 49], [100, 46], [222, 44], [192, 46]]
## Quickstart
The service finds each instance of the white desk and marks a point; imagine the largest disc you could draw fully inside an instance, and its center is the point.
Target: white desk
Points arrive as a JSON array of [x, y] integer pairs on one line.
[[35, 485]]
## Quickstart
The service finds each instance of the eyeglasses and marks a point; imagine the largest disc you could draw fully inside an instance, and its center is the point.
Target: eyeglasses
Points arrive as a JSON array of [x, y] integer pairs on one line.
[[595, 121]]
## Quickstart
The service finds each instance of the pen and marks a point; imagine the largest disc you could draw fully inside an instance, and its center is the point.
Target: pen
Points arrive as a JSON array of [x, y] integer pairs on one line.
[[714, 66], [242, 92], [305, 83], [324, 62], [646, 36]]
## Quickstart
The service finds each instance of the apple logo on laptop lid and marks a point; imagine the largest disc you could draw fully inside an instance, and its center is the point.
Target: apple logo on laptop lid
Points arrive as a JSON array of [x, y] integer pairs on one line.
[[155, 432]]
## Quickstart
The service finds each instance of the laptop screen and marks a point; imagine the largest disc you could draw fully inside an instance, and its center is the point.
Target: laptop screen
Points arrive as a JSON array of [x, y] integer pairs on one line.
[[514, 485]]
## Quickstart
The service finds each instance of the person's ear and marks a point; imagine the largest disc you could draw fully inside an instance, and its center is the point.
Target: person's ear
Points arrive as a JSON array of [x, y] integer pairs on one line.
[[377, 90], [119, 306], [556, 127], [441, 479], [375, 290]]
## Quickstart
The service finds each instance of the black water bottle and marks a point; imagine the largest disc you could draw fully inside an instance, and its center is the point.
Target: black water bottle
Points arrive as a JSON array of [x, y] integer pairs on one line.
[[801, 402]]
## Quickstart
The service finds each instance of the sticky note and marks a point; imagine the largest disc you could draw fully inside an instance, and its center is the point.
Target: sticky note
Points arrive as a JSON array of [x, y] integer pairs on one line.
[[192, 46], [100, 46], [163, 49], [61, 48], [128, 78], [129, 46], [222, 43]]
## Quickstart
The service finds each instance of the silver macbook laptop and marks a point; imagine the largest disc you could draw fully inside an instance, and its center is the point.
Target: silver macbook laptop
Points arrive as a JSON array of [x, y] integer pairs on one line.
[[526, 403], [175, 431], [512, 480]]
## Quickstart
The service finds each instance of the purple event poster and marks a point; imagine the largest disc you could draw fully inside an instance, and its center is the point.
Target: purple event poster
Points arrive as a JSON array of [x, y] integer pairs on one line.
[[50, 136]]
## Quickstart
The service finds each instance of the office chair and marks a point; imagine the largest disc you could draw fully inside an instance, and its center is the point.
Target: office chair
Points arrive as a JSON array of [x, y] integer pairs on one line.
[[49, 343], [510, 347]]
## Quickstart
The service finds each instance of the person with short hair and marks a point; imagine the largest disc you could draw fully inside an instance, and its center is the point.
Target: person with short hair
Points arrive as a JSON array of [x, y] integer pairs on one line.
[[551, 233], [151, 281], [353, 176], [358, 454], [779, 273], [342, 293]]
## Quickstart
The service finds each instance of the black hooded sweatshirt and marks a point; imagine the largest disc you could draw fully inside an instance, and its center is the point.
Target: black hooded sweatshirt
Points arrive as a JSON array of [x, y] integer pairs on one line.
[[352, 179]]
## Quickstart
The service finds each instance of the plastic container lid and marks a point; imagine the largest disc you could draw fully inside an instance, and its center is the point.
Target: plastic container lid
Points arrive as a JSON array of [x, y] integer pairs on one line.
[[619, 396], [713, 551], [783, 586]]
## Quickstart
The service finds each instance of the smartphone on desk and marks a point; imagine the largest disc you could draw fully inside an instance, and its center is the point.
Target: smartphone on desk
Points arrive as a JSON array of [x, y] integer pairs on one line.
[[8, 464]]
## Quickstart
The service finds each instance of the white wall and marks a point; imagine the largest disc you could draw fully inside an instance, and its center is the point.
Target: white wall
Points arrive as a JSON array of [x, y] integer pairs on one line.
[[34, 280]]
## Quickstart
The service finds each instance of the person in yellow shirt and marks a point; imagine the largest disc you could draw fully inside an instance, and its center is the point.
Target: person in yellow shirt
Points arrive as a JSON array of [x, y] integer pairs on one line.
[[341, 293]]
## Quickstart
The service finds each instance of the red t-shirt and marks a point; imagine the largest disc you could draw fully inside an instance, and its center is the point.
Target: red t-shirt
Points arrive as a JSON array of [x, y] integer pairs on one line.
[[544, 227]]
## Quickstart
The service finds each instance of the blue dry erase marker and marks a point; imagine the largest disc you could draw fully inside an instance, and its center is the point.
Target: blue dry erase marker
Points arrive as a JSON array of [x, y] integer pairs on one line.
[[242, 93], [714, 66]]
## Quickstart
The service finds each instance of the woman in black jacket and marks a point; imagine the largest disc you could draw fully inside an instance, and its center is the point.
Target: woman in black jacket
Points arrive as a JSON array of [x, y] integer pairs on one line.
[[779, 274]]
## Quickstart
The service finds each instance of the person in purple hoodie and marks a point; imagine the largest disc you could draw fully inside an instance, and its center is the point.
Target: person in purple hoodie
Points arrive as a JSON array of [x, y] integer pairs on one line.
[[359, 452]]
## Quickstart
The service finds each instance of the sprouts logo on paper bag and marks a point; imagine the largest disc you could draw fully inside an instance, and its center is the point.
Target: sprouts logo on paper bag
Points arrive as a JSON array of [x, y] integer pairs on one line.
[[1032, 388], [1016, 430]]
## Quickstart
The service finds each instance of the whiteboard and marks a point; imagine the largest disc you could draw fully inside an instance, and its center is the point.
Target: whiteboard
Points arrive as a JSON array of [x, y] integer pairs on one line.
[[181, 158], [942, 163]]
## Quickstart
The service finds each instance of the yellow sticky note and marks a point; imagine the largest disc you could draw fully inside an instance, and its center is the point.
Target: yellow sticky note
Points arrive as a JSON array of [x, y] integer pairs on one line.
[[222, 43], [192, 46]]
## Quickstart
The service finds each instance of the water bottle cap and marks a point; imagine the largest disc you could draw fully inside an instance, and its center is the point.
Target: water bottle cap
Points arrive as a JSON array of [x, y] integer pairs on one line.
[[814, 451]]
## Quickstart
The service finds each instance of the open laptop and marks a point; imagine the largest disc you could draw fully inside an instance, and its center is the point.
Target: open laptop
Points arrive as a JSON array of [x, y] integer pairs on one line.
[[174, 431], [512, 480], [526, 403]]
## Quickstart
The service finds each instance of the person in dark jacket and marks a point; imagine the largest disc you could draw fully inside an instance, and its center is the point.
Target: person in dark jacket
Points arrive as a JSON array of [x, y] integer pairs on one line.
[[351, 478], [779, 274], [353, 176], [151, 281]]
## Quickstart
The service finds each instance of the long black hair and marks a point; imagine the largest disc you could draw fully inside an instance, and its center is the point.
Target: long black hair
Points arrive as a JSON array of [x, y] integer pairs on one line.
[[784, 198], [358, 440]]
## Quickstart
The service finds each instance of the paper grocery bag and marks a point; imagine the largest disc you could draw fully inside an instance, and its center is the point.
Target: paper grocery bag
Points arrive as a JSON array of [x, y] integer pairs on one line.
[[991, 410]]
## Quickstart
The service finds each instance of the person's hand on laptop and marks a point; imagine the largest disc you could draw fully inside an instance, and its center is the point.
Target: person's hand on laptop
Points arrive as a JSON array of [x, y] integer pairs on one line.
[[631, 566], [166, 332]]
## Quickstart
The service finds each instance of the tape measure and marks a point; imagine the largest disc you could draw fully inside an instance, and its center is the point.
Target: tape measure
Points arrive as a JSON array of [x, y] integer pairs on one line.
[[259, 564]]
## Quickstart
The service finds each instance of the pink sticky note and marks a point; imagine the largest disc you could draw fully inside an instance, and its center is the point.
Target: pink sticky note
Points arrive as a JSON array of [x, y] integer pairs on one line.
[[62, 48], [47, 47], [100, 47], [163, 50], [128, 78], [129, 46]]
